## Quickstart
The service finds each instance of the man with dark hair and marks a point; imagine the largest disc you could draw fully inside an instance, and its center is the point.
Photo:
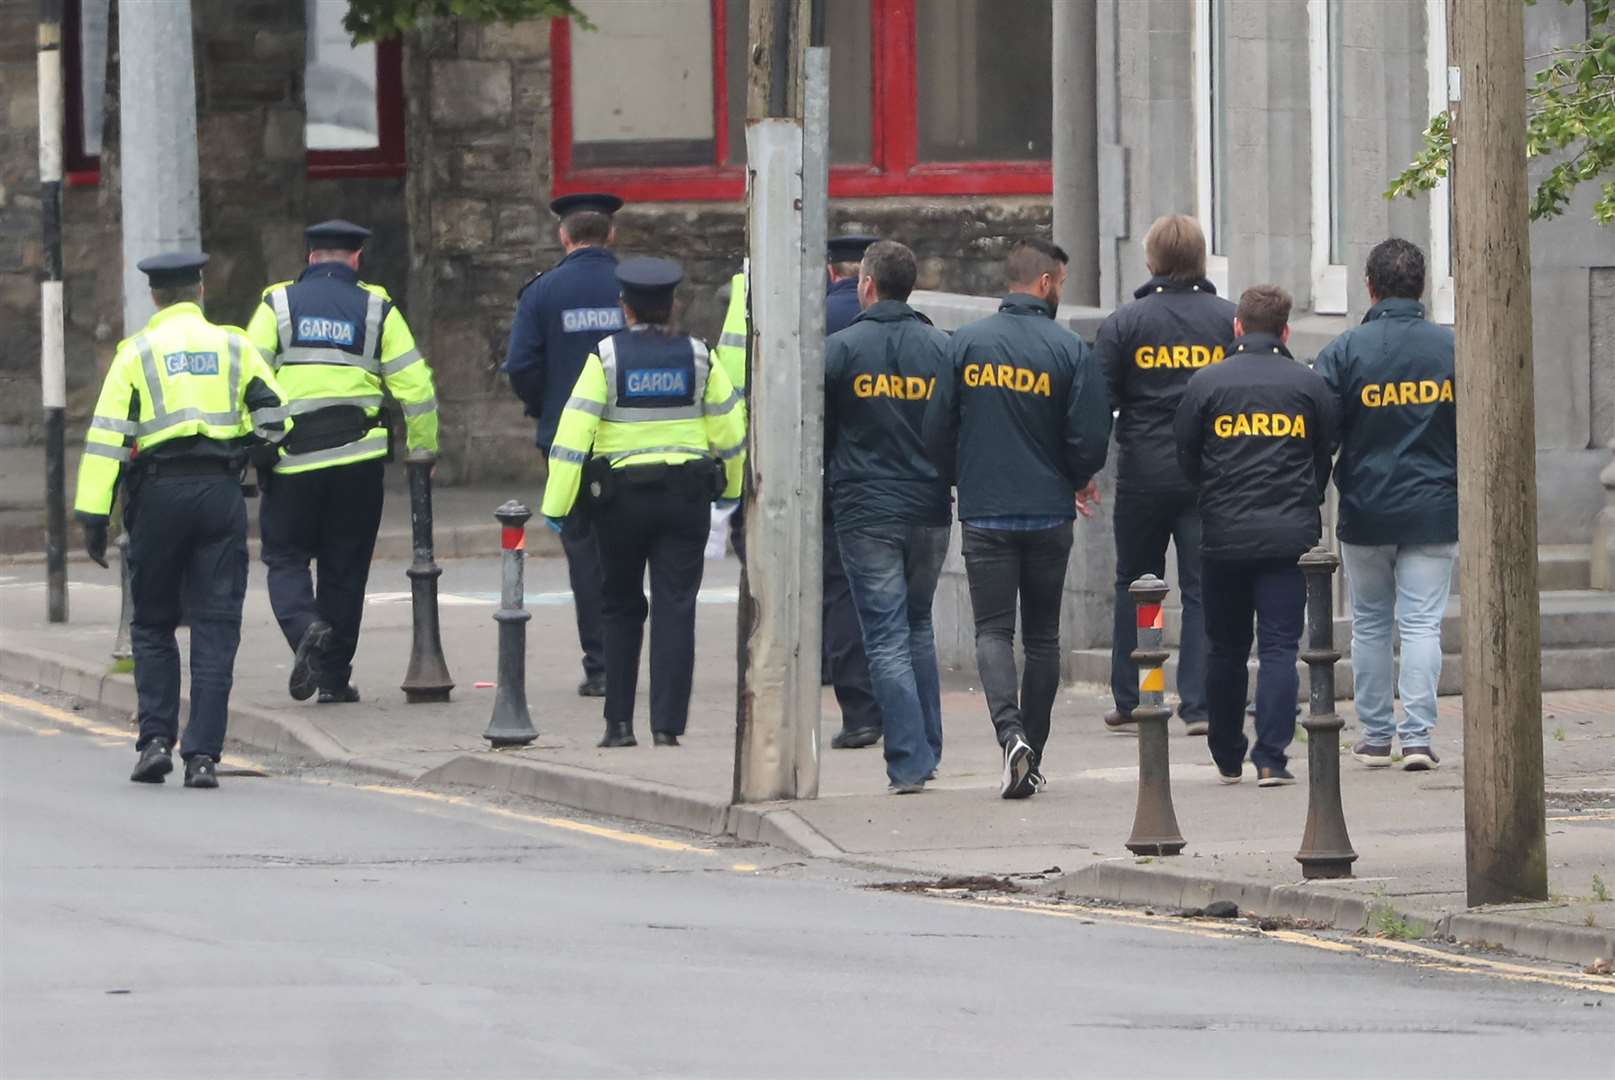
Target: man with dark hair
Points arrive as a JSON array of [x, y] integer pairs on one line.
[[1392, 378], [561, 316], [1149, 348], [889, 501], [1034, 427], [1254, 434]]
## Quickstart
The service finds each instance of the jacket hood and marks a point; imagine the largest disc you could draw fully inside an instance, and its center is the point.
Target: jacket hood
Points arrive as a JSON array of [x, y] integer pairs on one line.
[[1166, 284], [1396, 307], [1026, 304]]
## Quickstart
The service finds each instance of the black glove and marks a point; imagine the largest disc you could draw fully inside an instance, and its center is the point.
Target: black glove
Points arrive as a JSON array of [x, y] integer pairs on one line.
[[95, 540]]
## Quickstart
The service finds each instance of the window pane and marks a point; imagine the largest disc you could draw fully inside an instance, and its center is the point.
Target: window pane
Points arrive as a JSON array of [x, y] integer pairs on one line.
[[847, 34], [985, 85], [642, 84], [339, 83], [1337, 135], [92, 70]]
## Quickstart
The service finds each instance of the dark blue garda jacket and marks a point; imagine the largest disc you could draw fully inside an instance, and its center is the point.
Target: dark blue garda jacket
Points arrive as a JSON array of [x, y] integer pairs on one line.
[[1255, 434], [840, 304], [1033, 415], [561, 315], [1148, 349], [880, 379], [1392, 378]]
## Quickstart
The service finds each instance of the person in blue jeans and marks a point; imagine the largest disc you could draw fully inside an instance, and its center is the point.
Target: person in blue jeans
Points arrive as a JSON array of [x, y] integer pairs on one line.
[[889, 500], [1398, 480]]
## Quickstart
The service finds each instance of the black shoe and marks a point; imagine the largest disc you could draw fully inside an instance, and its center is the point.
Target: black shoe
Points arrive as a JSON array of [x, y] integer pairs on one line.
[[664, 738], [305, 677], [200, 772], [1274, 777], [619, 735], [855, 738], [592, 686], [1018, 765], [1419, 759], [1120, 722], [344, 696], [154, 764]]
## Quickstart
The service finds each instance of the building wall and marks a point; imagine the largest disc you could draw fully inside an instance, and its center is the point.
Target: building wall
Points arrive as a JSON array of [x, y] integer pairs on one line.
[[21, 254]]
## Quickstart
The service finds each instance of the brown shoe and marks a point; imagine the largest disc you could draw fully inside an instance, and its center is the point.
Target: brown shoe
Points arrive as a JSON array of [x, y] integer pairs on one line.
[[1119, 722]]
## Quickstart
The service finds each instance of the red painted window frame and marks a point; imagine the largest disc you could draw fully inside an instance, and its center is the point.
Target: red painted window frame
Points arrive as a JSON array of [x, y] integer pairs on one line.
[[387, 159], [894, 168]]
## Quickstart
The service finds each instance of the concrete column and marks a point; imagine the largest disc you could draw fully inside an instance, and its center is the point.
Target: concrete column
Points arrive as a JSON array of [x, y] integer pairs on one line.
[[157, 114], [1076, 146]]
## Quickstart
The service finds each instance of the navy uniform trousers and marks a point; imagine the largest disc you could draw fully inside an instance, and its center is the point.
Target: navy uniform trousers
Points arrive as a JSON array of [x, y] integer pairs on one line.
[[187, 550], [584, 574], [846, 666], [328, 517], [664, 526]]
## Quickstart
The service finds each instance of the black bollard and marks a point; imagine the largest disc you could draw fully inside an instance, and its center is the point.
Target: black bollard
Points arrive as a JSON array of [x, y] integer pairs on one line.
[[1325, 848], [511, 725], [1155, 823], [428, 676], [121, 648]]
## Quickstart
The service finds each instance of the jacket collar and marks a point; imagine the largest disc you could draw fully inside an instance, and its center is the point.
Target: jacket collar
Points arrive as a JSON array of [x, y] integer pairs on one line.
[[340, 271], [593, 251], [1017, 303], [174, 312], [886, 311], [1395, 307], [846, 284], [1262, 345], [1168, 285]]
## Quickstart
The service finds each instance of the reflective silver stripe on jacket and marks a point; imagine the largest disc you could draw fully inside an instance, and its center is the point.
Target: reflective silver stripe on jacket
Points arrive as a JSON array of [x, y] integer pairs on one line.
[[628, 414], [725, 406], [392, 367], [584, 405], [420, 408], [372, 328], [148, 364], [116, 453], [181, 416], [262, 418], [235, 371], [734, 451], [624, 455], [325, 355], [731, 341], [283, 319], [122, 427], [303, 406], [568, 455], [374, 441]]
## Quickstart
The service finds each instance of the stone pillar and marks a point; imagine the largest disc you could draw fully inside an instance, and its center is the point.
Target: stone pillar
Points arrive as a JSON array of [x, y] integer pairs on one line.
[[1076, 150], [1603, 548]]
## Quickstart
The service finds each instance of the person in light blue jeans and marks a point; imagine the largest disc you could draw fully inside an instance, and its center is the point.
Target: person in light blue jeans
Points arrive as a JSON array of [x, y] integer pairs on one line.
[[1409, 585], [1398, 479]]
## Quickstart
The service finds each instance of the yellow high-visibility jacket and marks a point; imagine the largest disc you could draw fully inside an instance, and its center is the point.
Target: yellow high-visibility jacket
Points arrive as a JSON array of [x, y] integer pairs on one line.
[[646, 397], [730, 352], [334, 341], [179, 376]]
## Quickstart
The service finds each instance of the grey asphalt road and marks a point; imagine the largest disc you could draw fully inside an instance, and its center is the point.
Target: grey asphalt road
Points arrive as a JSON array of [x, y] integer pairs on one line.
[[290, 926]]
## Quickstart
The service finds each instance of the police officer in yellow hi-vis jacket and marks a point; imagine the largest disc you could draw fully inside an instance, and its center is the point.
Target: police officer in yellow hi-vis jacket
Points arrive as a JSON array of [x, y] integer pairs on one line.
[[184, 405], [335, 340], [654, 432]]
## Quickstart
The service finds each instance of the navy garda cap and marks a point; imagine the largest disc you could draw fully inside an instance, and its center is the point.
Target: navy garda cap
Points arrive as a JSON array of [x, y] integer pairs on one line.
[[337, 235], [173, 268], [648, 278], [597, 201], [849, 248]]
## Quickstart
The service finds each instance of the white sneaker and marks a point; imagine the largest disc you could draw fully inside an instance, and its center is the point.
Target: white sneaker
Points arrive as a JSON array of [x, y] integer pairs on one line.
[[1017, 782]]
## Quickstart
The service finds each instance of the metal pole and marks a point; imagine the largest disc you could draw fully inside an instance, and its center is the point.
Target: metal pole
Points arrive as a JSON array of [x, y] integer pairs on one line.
[[52, 355], [427, 679], [1326, 850], [1076, 144], [1155, 824], [121, 647], [1505, 821], [511, 725]]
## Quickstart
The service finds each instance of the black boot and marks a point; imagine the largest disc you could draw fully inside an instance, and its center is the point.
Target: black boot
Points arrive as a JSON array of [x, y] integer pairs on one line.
[[341, 696], [200, 772], [154, 764], [855, 738], [305, 677], [593, 686], [664, 738], [619, 735]]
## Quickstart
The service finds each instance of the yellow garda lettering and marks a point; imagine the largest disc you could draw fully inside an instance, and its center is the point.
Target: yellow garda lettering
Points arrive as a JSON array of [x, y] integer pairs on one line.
[[1009, 377], [1423, 392], [1270, 425], [904, 388], [1177, 356]]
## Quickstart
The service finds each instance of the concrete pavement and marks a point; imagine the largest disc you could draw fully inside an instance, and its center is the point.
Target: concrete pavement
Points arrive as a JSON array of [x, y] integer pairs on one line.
[[282, 927], [1407, 828]]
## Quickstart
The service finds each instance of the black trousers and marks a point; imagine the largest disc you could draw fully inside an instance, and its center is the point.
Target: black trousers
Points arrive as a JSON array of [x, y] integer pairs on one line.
[[1005, 566], [1275, 593], [1145, 523], [844, 661], [328, 517], [583, 570], [186, 534], [665, 528]]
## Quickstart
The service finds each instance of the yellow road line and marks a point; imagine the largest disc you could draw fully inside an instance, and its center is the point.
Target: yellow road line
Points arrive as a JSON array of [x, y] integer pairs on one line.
[[599, 832], [1400, 952], [113, 735]]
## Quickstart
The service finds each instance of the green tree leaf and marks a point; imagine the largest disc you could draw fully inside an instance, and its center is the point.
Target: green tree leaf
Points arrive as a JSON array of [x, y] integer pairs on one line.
[[377, 20]]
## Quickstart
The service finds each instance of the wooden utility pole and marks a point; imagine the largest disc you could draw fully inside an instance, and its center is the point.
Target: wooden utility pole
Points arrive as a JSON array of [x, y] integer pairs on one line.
[[1504, 819]]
